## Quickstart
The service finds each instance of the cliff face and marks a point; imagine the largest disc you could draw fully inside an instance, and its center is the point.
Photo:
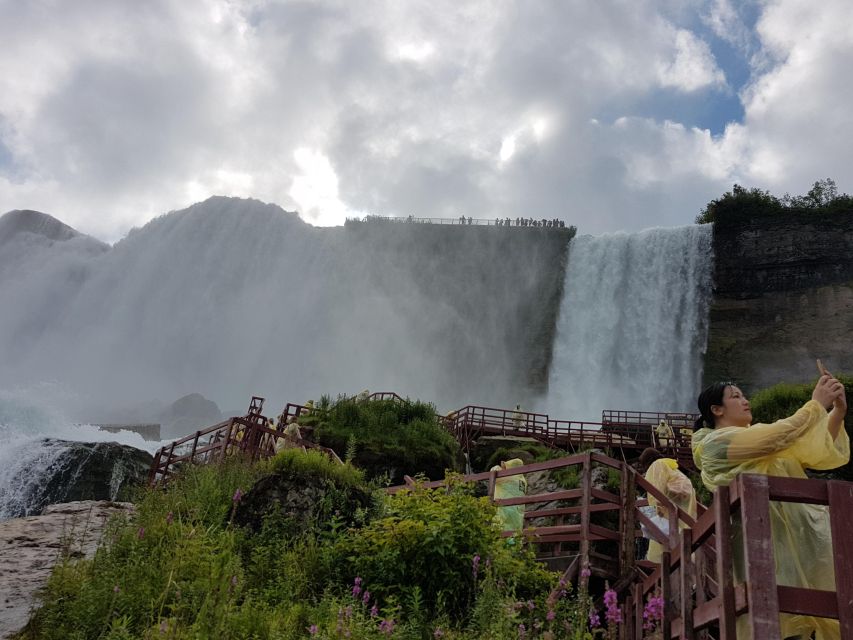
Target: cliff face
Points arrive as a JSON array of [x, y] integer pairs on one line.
[[783, 296]]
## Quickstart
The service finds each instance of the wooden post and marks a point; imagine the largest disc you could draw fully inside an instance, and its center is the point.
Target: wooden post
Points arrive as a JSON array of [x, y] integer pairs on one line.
[[227, 439], [761, 590], [687, 582], [666, 592], [493, 478], [725, 581], [841, 525], [152, 474], [639, 606], [586, 500], [195, 444], [627, 521]]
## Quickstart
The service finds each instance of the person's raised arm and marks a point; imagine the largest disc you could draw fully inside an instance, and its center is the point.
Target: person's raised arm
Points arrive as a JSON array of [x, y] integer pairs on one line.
[[839, 411]]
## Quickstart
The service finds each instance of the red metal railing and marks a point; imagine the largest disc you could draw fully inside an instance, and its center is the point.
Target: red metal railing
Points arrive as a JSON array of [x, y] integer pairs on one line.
[[252, 436], [622, 430]]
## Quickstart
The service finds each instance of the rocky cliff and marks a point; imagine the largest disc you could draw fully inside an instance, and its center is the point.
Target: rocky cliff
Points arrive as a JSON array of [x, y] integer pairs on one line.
[[783, 296]]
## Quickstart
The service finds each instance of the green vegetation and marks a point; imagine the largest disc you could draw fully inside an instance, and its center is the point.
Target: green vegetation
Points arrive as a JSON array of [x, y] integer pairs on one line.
[[428, 564], [783, 400], [743, 204], [387, 437]]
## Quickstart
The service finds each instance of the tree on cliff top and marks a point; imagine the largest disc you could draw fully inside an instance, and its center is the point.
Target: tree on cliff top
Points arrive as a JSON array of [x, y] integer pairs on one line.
[[745, 203]]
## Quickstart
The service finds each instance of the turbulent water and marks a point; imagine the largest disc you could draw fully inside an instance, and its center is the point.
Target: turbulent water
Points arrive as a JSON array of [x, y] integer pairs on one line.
[[33, 447], [633, 323]]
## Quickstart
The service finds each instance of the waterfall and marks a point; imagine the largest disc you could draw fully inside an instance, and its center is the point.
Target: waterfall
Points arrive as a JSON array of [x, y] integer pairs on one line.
[[633, 323]]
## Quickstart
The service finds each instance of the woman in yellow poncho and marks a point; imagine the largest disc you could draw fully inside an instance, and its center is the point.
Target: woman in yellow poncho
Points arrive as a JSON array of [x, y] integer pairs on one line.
[[728, 445], [664, 475]]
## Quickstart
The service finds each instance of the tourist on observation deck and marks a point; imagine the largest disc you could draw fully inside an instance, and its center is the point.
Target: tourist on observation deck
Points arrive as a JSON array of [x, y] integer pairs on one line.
[[727, 444]]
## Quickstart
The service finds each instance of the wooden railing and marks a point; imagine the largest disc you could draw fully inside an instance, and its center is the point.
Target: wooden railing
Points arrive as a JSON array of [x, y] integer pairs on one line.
[[618, 431], [746, 502], [252, 436]]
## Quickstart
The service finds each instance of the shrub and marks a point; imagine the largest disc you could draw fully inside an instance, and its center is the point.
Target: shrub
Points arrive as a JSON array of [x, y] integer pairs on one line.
[[394, 438], [429, 540]]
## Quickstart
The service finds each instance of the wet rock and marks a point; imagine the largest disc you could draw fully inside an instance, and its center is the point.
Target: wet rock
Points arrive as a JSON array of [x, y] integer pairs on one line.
[[29, 548], [77, 471]]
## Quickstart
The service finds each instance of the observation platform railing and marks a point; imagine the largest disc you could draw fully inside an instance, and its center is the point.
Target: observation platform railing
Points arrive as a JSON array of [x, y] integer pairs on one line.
[[252, 436], [255, 435]]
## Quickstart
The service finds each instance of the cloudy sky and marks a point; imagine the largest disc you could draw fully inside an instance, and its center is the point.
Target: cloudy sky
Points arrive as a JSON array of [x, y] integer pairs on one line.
[[608, 114]]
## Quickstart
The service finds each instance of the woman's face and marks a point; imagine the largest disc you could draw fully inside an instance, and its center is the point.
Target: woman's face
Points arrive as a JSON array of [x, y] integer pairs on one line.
[[734, 412]]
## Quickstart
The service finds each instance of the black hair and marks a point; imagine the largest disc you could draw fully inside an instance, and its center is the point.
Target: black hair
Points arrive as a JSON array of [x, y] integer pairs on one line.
[[648, 456], [710, 396]]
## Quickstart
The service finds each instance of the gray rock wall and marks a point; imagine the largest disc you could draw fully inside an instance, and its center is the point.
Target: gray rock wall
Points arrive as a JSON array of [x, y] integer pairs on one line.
[[783, 296]]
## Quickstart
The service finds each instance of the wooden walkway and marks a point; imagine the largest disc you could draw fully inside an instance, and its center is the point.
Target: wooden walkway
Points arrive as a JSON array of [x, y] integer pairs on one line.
[[695, 577]]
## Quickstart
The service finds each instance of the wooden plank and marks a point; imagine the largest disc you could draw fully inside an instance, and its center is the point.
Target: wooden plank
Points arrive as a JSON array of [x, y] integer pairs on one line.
[[808, 602], [586, 488], [557, 463], [604, 495], [706, 613], [603, 533], [758, 556], [544, 531], [726, 609], [840, 498], [568, 494], [704, 526], [639, 605], [566, 511], [798, 490], [666, 592], [687, 582]]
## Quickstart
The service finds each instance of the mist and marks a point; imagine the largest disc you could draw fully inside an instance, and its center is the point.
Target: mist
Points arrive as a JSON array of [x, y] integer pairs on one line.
[[232, 298]]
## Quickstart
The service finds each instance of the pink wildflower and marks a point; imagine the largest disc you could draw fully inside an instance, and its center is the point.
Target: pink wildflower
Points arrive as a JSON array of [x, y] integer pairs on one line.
[[312, 630], [585, 572], [356, 588], [550, 615], [141, 533], [169, 518], [594, 619], [612, 613]]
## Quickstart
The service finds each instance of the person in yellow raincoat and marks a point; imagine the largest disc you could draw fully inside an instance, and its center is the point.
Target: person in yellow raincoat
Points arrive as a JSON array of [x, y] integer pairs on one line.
[[663, 474], [510, 518], [727, 444]]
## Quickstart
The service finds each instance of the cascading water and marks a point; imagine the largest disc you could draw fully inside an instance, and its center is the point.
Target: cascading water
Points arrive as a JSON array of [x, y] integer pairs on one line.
[[633, 323], [35, 447]]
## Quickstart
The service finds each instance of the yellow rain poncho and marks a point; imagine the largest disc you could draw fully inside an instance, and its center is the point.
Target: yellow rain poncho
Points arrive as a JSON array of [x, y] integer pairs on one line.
[[802, 542], [664, 475], [510, 518]]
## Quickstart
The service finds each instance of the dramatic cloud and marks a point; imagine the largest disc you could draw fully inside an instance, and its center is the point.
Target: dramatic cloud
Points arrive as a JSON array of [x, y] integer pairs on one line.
[[600, 113]]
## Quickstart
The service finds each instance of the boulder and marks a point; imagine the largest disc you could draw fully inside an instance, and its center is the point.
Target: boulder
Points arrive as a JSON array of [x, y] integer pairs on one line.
[[79, 471], [306, 500], [29, 547]]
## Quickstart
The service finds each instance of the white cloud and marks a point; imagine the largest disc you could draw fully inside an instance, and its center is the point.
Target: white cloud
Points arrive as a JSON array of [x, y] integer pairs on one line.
[[114, 113], [693, 66]]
